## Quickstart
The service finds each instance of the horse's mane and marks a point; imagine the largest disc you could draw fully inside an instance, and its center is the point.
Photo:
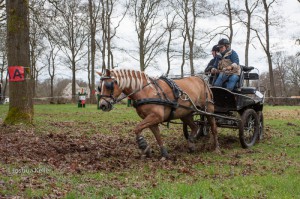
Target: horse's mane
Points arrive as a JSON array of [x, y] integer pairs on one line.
[[133, 79]]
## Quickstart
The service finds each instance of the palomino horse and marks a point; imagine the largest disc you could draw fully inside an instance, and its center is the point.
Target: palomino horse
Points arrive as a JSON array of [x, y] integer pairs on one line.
[[157, 101]]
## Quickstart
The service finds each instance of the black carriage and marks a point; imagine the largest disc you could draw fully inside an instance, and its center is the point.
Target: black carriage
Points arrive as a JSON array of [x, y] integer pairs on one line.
[[240, 109]]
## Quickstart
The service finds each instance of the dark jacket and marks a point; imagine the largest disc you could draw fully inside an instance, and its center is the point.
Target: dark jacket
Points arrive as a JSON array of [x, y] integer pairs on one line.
[[213, 63]]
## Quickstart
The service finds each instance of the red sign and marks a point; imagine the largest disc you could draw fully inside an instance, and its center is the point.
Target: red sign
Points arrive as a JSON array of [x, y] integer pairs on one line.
[[16, 73]]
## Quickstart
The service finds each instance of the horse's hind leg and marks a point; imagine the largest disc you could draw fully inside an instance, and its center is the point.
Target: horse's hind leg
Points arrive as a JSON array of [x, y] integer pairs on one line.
[[163, 150], [214, 134], [194, 128]]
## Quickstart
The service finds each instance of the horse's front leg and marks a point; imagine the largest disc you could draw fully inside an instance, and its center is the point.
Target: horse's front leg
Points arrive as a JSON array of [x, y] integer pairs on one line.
[[156, 132], [149, 121]]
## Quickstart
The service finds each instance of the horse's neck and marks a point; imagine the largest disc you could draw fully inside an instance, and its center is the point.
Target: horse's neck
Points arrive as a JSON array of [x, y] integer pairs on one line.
[[136, 93], [132, 82]]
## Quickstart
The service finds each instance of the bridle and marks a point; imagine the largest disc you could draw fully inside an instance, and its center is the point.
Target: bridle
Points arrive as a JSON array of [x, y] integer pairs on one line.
[[109, 86], [110, 99]]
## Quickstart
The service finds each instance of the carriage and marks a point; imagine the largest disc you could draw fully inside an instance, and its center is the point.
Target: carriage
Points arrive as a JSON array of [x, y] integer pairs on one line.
[[238, 109], [200, 106]]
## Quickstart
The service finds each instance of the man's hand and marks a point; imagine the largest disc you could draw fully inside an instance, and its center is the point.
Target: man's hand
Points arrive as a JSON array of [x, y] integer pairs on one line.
[[229, 68], [214, 71]]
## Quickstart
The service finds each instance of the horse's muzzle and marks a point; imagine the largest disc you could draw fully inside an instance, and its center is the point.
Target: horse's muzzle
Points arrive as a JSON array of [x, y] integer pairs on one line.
[[105, 106]]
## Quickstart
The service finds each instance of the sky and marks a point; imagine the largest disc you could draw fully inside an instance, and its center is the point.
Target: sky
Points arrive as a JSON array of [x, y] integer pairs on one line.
[[282, 39]]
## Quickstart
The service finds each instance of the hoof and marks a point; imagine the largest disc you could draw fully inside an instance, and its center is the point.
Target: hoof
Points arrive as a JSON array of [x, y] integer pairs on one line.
[[191, 147], [164, 153], [163, 159], [217, 151], [147, 152]]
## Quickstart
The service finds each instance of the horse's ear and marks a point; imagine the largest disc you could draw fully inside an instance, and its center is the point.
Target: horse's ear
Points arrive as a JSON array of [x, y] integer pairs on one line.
[[99, 73], [107, 72]]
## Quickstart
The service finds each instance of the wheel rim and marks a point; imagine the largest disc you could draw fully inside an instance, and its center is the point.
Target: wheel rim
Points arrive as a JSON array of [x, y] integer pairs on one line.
[[249, 129]]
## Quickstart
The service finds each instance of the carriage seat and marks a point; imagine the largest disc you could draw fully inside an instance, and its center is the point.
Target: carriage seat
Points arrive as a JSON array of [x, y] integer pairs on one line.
[[248, 90], [249, 76], [245, 75]]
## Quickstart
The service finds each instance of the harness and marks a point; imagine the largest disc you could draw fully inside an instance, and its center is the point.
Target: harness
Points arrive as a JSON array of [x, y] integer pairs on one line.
[[162, 100]]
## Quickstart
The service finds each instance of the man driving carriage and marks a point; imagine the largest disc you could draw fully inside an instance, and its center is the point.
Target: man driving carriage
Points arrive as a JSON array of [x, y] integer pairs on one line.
[[228, 66]]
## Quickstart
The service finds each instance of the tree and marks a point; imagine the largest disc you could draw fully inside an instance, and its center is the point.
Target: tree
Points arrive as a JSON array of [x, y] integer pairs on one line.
[[50, 58], [93, 15], [20, 105], [265, 41], [170, 27], [147, 23], [280, 71], [188, 13], [249, 11], [36, 41], [293, 68], [69, 31], [229, 14]]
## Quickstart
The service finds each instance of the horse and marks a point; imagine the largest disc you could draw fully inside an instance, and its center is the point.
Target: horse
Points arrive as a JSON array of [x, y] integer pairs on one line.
[[159, 100]]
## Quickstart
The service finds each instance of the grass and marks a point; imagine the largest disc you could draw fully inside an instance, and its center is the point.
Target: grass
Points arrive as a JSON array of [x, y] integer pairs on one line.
[[270, 169]]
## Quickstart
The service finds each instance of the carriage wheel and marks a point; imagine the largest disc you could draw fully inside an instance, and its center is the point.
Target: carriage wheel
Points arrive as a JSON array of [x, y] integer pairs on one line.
[[202, 131], [248, 128], [261, 125]]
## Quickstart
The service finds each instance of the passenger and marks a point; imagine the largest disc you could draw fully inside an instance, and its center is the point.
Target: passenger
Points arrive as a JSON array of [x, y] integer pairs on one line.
[[228, 66], [213, 63]]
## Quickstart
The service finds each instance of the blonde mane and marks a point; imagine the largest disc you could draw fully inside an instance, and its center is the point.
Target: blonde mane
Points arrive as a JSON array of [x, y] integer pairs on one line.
[[133, 79]]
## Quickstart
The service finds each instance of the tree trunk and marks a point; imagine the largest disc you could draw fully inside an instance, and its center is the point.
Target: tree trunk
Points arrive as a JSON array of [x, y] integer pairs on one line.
[[230, 21], [73, 81], [20, 95], [93, 52], [267, 49]]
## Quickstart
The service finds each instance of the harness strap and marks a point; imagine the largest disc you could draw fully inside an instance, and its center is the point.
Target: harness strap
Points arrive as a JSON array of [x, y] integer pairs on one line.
[[177, 92], [175, 88], [158, 101]]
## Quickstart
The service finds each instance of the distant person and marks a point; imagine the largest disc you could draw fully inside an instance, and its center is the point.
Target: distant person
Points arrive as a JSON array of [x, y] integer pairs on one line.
[[228, 66]]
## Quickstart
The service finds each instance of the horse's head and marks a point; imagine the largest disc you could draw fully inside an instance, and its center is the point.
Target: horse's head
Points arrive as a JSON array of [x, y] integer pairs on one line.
[[109, 91]]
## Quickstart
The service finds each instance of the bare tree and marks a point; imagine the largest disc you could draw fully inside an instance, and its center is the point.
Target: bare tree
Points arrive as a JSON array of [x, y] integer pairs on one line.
[[70, 33], [229, 14], [36, 40], [249, 11], [147, 23], [189, 11], [2, 12], [94, 10], [280, 71], [293, 67], [170, 27], [111, 18], [21, 105], [190, 28], [265, 41], [50, 58]]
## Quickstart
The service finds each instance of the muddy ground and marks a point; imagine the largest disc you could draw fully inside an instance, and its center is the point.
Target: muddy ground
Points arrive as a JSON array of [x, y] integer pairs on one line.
[[76, 153]]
